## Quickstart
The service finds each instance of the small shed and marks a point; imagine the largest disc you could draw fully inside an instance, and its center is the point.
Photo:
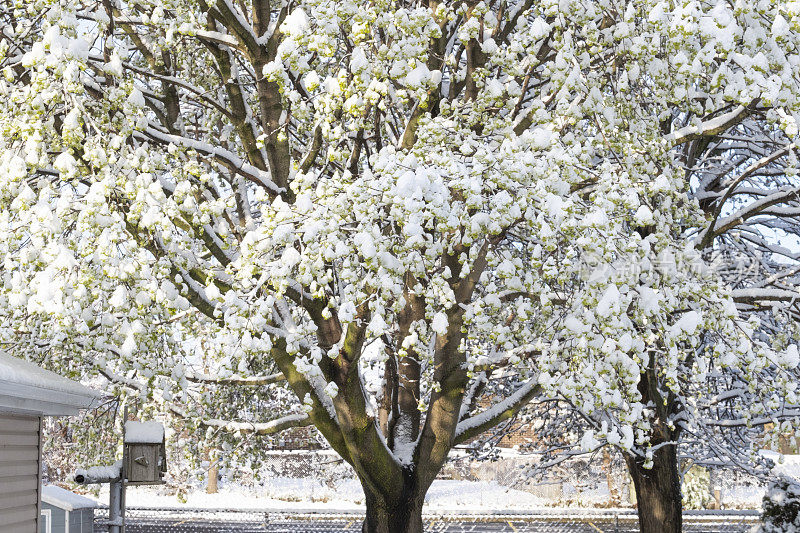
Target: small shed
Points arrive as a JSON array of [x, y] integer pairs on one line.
[[28, 393], [65, 512]]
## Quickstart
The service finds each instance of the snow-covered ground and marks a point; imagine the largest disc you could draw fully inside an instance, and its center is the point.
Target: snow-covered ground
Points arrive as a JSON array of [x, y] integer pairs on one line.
[[293, 493], [742, 497], [444, 495], [784, 464], [749, 497], [314, 494]]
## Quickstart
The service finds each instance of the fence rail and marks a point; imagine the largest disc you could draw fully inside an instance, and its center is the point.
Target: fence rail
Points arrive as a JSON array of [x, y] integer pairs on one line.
[[186, 520]]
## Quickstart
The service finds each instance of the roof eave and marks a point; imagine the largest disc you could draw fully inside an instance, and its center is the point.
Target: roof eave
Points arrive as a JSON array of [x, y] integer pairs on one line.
[[23, 398]]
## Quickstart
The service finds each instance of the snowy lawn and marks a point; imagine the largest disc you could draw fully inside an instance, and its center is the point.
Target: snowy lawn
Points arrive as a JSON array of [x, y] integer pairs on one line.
[[305, 493], [313, 494], [289, 493], [750, 497]]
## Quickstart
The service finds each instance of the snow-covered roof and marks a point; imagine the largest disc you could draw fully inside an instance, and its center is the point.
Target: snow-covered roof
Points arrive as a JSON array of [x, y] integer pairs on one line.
[[27, 388], [64, 499], [144, 432]]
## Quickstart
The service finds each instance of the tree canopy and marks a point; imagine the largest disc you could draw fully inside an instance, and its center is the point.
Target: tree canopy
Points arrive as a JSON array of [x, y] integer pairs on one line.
[[386, 204]]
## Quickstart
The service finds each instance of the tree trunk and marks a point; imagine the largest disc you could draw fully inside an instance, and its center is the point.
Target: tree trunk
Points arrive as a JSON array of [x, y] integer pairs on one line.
[[213, 470], [658, 491], [392, 517], [614, 492], [213, 477]]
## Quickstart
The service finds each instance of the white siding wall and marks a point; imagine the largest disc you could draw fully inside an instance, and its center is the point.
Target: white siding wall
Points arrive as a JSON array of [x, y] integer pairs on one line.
[[19, 473]]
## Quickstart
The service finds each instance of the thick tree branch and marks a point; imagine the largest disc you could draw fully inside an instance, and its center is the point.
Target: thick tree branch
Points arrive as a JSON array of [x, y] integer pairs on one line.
[[250, 381], [475, 425], [711, 127], [258, 428]]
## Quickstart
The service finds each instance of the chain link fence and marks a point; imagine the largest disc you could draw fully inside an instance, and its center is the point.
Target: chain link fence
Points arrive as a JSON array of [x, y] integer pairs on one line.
[[181, 520]]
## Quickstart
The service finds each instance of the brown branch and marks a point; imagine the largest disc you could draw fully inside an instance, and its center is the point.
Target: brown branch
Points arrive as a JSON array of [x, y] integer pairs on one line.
[[475, 425], [713, 126]]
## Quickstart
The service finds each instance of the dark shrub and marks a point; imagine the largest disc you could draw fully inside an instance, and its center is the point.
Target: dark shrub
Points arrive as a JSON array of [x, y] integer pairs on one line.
[[781, 507]]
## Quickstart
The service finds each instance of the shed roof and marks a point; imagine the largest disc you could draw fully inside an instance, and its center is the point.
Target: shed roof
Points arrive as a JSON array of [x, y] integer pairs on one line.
[[64, 499], [27, 388]]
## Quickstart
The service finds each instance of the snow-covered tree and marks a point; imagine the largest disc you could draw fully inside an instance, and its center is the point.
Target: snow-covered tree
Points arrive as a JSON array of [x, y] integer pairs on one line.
[[738, 157], [382, 204]]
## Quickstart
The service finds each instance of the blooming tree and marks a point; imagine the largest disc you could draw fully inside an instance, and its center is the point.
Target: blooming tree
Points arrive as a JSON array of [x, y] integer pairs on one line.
[[381, 204]]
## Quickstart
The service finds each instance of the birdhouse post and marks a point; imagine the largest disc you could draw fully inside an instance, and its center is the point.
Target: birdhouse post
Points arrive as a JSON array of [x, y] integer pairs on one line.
[[144, 462]]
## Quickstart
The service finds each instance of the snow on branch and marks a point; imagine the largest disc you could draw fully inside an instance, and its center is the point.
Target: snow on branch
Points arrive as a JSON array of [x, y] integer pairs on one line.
[[259, 428], [252, 381], [754, 209], [755, 167], [198, 92], [763, 295], [475, 425], [217, 37], [235, 22], [113, 377], [749, 422], [711, 127], [226, 157]]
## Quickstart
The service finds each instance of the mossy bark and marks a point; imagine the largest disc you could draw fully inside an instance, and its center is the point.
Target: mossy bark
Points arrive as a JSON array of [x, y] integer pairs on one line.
[[658, 491], [400, 516]]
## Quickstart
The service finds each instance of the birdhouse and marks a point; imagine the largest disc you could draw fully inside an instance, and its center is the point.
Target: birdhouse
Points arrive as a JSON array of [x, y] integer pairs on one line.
[[144, 453]]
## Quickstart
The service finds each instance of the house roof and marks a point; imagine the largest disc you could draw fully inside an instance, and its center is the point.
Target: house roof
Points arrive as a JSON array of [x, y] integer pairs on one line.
[[27, 388], [64, 499]]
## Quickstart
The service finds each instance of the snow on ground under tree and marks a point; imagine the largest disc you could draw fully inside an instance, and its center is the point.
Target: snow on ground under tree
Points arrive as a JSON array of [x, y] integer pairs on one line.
[[458, 495], [315, 494], [306, 493]]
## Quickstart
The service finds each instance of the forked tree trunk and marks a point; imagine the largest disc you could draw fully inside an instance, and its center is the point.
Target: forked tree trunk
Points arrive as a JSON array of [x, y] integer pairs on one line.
[[658, 491], [392, 517]]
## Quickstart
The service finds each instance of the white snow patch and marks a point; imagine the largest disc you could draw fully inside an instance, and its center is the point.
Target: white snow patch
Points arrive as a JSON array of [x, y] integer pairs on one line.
[[281, 493], [609, 303], [98, 473], [144, 432], [65, 499], [789, 358], [17, 371], [439, 323], [643, 216], [688, 322]]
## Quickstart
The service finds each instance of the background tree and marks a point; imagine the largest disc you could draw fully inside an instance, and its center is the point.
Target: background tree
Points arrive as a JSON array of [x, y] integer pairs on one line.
[[732, 128]]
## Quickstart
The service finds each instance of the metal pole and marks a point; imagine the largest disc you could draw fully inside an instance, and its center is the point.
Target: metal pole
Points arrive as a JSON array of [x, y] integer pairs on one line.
[[123, 485], [123, 490], [115, 507]]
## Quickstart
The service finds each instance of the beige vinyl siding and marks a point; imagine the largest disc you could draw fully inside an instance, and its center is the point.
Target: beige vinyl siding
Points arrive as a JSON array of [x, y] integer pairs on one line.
[[19, 474]]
